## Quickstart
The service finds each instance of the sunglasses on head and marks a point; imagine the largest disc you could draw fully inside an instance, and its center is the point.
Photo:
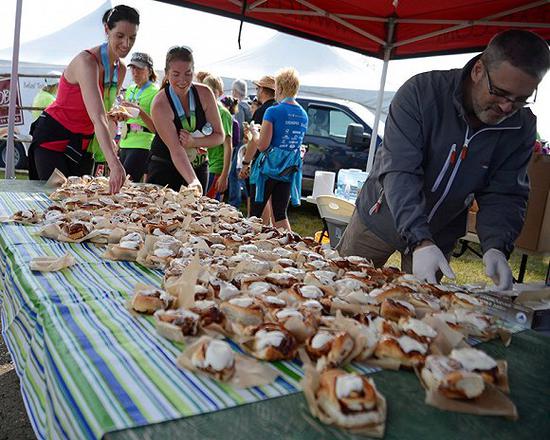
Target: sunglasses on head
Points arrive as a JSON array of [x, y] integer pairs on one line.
[[176, 49]]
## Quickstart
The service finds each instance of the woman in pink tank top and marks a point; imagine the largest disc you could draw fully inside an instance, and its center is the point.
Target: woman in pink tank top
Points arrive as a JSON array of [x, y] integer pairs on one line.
[[63, 131]]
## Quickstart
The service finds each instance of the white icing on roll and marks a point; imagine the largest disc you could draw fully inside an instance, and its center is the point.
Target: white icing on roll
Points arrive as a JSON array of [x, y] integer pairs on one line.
[[375, 292], [446, 317], [219, 355], [163, 252], [157, 232], [227, 291], [405, 304], [274, 300], [265, 338], [476, 319], [204, 304], [346, 385], [241, 302], [468, 298], [129, 244], [311, 292], [248, 248], [259, 287], [321, 339], [288, 313], [132, 236], [418, 327], [409, 344], [312, 304], [472, 359], [348, 285]]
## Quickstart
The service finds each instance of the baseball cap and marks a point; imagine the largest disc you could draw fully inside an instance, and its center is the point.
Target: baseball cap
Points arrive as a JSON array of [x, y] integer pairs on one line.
[[141, 60], [266, 81], [52, 81]]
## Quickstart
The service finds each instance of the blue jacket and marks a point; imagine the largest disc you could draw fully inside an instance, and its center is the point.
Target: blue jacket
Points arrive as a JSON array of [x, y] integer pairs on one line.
[[421, 185]]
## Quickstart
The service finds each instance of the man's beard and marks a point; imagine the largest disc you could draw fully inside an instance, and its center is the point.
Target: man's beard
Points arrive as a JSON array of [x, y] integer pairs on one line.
[[491, 115]]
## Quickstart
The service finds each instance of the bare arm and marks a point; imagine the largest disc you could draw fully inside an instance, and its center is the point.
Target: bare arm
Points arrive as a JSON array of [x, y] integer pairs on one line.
[[85, 71], [221, 185], [162, 116], [266, 133]]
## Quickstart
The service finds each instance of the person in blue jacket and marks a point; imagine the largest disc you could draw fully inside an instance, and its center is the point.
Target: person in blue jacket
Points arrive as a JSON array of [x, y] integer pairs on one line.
[[277, 172], [451, 136]]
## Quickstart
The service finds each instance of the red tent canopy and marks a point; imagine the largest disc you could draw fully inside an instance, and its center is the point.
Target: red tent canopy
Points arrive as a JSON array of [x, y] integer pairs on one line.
[[409, 28]]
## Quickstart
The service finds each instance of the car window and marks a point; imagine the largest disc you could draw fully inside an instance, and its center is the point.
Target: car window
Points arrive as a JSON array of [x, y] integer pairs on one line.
[[318, 121], [339, 122]]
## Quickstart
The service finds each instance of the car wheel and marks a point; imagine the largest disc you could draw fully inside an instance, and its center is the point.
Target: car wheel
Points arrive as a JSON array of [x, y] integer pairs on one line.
[[19, 155]]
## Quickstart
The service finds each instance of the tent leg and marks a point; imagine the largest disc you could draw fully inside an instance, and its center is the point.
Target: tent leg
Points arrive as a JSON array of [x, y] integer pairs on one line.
[[372, 148], [387, 55], [14, 82]]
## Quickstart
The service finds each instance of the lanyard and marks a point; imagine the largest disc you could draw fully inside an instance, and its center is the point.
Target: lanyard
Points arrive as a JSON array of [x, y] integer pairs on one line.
[[189, 124], [107, 68], [137, 93]]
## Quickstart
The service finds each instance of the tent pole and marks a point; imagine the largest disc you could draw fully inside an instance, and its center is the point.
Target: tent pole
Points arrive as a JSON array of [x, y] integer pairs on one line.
[[374, 134], [14, 80]]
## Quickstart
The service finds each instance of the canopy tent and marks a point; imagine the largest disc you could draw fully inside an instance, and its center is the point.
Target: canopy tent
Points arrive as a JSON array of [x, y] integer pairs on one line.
[[85, 32], [388, 29], [336, 77]]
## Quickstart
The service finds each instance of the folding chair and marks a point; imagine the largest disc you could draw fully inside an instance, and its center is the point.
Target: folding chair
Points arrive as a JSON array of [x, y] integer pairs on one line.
[[335, 213]]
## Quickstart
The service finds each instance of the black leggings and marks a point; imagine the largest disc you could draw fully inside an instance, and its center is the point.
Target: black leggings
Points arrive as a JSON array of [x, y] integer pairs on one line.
[[43, 162], [163, 172], [280, 197], [134, 161]]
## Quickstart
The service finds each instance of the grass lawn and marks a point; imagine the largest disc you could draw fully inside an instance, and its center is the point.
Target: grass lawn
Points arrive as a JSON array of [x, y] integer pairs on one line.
[[468, 268]]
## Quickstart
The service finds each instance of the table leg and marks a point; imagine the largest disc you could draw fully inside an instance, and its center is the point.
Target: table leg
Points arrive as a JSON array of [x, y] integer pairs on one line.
[[522, 267], [324, 231]]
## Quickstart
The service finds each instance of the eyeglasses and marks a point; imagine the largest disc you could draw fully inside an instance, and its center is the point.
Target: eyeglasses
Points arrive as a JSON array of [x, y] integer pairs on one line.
[[495, 91]]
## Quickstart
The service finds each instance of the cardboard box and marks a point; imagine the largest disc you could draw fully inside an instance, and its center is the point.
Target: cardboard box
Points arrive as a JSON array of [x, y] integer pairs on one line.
[[531, 308], [535, 235]]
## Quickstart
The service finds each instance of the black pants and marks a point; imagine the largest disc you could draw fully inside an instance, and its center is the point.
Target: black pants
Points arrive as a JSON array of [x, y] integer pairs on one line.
[[134, 161], [280, 197], [163, 172], [43, 162]]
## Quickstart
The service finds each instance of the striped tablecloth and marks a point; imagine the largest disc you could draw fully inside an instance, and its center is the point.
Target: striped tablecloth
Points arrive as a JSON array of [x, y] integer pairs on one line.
[[86, 365]]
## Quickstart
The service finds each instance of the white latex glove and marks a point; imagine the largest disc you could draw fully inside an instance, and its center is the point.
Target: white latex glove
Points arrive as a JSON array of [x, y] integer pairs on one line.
[[498, 269], [427, 260]]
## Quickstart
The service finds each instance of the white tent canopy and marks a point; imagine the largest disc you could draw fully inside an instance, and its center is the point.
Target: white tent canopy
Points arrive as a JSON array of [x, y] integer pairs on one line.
[[55, 49], [324, 71]]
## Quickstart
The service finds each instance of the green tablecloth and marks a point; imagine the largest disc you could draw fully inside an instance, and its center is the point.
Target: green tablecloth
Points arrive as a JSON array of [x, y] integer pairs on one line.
[[408, 417], [51, 321]]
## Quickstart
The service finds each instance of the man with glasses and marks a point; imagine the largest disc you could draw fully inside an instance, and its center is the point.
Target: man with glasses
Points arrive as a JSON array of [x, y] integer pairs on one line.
[[451, 136]]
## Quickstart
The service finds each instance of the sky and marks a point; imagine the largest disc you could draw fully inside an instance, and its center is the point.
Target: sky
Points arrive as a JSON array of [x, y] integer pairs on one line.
[[214, 38]]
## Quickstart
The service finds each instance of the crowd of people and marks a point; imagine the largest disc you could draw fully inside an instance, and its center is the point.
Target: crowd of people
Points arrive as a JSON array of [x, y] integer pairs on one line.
[[185, 131], [450, 136]]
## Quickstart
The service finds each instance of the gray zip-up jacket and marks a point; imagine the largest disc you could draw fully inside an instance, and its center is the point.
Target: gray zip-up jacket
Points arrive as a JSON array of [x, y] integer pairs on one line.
[[431, 164]]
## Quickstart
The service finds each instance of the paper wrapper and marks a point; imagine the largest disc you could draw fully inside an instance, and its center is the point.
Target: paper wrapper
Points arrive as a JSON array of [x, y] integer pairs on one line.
[[56, 179], [492, 402], [183, 287], [360, 339], [52, 264], [446, 340], [116, 253], [310, 385], [54, 232], [248, 372]]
